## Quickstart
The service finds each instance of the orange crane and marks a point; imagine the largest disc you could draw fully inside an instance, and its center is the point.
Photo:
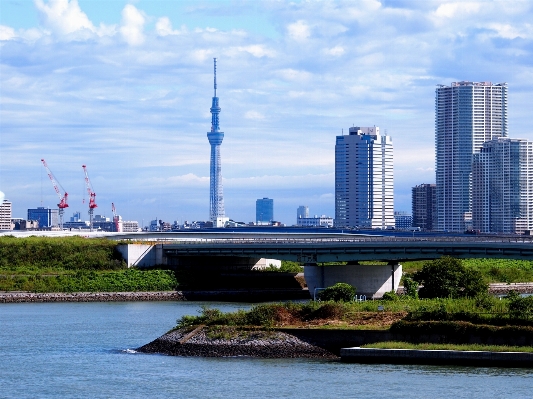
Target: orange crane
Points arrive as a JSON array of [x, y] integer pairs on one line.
[[92, 197], [63, 195], [116, 219]]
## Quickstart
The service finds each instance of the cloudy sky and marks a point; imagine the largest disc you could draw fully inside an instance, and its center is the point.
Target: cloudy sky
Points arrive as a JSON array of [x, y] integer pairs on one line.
[[125, 87]]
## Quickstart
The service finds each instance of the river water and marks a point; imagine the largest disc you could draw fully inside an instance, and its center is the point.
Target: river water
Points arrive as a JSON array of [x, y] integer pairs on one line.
[[84, 350]]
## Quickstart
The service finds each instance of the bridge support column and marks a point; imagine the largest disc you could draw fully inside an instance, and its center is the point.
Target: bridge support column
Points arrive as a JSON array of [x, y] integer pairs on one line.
[[370, 280]]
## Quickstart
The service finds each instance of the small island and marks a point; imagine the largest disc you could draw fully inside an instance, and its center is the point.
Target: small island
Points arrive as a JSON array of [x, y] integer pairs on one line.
[[455, 315]]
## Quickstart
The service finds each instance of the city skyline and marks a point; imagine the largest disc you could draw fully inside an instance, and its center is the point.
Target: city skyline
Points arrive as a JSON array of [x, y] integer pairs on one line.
[[122, 88]]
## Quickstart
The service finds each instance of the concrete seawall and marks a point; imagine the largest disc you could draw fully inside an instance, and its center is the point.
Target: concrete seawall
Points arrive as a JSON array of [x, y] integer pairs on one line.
[[415, 356]]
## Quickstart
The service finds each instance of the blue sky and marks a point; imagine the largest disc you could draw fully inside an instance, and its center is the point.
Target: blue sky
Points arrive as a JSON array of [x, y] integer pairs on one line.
[[125, 87]]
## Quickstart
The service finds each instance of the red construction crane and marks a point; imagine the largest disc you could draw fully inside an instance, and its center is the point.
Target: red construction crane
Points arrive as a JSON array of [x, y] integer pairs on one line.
[[92, 197], [116, 219], [63, 195]]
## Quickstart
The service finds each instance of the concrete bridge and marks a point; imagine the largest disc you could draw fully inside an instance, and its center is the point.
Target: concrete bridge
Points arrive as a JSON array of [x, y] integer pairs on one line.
[[247, 250]]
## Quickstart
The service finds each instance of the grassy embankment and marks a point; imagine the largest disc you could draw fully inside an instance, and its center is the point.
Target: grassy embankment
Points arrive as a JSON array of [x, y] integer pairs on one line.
[[456, 318], [455, 347], [493, 270], [73, 264]]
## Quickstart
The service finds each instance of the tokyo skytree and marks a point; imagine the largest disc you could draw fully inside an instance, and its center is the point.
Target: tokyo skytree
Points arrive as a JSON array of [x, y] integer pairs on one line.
[[215, 137]]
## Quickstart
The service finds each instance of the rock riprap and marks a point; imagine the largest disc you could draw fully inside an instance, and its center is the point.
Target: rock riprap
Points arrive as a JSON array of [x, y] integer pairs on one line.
[[215, 341]]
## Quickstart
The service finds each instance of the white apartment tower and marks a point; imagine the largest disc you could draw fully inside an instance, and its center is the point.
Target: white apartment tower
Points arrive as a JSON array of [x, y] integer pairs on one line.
[[5, 215], [502, 187], [364, 180], [467, 114]]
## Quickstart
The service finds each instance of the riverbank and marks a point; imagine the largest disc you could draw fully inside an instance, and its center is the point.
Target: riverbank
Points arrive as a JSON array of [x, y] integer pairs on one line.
[[20, 297]]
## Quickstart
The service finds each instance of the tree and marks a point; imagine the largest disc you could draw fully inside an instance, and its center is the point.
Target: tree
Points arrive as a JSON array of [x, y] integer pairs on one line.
[[448, 278], [340, 292]]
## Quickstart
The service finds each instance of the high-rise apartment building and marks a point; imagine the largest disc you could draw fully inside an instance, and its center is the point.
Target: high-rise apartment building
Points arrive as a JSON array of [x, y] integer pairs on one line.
[[502, 186], [424, 206], [466, 115], [302, 212], [5, 215], [45, 216], [364, 180], [264, 211], [215, 136]]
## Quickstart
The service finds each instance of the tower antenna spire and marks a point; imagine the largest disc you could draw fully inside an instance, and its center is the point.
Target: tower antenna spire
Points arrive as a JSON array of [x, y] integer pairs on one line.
[[215, 62]]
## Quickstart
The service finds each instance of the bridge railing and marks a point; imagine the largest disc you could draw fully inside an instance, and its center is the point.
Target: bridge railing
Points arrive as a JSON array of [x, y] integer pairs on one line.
[[327, 240]]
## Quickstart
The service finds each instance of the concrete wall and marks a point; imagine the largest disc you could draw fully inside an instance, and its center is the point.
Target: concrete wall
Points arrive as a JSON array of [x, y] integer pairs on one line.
[[142, 255], [145, 255], [370, 280]]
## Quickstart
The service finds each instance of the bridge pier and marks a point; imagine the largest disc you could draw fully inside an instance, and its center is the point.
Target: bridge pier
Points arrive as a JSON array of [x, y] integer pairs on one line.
[[370, 280]]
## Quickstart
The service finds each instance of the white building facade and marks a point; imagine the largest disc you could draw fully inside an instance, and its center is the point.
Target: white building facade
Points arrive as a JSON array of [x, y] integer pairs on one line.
[[5, 215], [502, 187], [467, 114], [317, 221], [364, 179]]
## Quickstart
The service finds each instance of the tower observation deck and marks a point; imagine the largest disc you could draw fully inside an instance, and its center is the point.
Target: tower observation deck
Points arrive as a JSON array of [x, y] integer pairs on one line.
[[215, 137]]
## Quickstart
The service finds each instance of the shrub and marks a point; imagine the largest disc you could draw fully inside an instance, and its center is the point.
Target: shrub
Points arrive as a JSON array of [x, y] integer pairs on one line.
[[410, 287], [390, 296], [448, 278], [340, 292], [520, 307]]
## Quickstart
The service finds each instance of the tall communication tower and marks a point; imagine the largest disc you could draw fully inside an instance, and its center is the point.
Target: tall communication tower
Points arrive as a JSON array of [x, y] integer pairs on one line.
[[215, 137]]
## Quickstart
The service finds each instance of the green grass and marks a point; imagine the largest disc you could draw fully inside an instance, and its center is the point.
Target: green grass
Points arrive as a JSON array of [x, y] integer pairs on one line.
[[493, 270], [82, 281], [37, 255], [482, 311], [456, 347], [73, 264]]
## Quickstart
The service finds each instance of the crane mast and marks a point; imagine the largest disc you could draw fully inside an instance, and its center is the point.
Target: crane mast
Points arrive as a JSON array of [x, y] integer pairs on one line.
[[92, 197], [63, 195], [116, 219]]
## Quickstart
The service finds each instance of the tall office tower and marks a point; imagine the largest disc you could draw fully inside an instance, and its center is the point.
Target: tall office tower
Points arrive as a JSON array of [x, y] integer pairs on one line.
[[364, 179], [302, 212], [466, 115], [5, 215], [215, 137], [502, 186], [424, 206], [47, 217], [264, 211]]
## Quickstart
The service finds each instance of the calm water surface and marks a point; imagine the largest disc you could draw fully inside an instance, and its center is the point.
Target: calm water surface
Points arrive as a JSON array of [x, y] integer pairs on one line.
[[83, 350]]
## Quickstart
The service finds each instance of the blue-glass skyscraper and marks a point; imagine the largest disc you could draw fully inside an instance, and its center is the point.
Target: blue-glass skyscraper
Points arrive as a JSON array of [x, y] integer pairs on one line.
[[264, 210], [215, 136]]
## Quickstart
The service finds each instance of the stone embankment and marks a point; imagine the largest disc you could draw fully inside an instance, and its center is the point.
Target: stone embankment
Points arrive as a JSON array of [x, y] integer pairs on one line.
[[18, 297], [504, 288], [206, 342]]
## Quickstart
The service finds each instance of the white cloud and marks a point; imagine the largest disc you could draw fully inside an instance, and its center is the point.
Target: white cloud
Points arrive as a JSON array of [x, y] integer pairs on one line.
[[163, 27], [453, 9], [6, 32], [132, 28], [63, 16], [254, 115], [257, 50], [334, 51], [299, 30]]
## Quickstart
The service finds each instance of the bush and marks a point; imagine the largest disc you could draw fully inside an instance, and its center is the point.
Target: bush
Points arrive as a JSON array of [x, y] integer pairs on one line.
[[448, 278], [390, 296], [340, 292], [520, 307], [410, 287]]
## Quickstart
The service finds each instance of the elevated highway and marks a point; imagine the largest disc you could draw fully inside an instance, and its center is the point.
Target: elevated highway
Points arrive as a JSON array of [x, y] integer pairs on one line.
[[220, 250]]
